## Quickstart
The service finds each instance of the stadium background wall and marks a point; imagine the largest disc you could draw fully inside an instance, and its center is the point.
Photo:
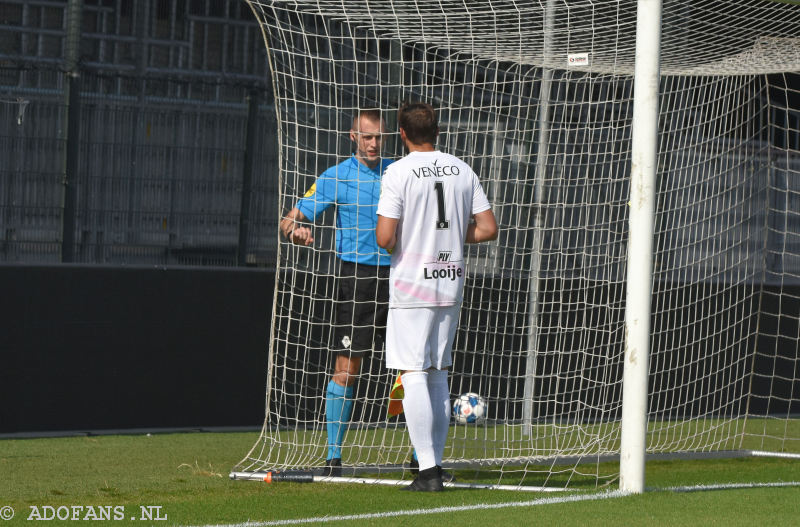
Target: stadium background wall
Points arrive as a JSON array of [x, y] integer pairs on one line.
[[88, 348], [105, 325], [96, 348]]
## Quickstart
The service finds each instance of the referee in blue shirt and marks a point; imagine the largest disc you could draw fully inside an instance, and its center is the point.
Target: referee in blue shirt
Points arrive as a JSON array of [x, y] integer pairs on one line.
[[353, 186]]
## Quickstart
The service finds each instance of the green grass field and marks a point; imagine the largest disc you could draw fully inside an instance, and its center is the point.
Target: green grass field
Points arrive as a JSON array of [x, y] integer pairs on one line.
[[184, 479]]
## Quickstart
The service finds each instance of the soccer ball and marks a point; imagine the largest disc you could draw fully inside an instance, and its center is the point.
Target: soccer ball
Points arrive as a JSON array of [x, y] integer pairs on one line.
[[469, 408]]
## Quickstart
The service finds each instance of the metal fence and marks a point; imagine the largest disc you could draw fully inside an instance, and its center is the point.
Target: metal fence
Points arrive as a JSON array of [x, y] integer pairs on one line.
[[148, 137], [155, 145]]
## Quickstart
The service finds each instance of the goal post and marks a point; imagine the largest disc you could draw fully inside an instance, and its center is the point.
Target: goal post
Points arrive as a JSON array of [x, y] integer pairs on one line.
[[644, 155], [666, 228]]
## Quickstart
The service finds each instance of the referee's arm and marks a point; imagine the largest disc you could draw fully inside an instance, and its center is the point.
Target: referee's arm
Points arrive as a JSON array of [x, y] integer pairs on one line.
[[293, 230]]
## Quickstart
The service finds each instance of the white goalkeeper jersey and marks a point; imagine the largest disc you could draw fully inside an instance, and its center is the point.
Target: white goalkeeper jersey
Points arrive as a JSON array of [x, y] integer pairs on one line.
[[433, 195]]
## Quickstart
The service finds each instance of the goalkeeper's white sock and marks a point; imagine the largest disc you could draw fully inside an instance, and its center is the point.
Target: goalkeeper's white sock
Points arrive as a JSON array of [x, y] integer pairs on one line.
[[440, 404], [419, 416]]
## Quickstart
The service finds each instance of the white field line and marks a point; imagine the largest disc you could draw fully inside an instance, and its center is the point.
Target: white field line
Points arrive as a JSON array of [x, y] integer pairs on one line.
[[437, 510], [528, 503], [729, 486]]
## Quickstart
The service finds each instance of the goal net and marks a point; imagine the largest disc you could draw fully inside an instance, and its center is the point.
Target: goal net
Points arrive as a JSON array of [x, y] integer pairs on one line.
[[538, 98]]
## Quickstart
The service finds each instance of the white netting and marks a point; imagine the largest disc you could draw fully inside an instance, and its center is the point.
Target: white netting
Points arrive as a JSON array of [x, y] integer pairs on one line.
[[542, 327], [711, 37]]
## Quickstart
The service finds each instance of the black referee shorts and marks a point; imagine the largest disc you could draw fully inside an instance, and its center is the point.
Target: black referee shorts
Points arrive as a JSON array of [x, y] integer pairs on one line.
[[362, 303]]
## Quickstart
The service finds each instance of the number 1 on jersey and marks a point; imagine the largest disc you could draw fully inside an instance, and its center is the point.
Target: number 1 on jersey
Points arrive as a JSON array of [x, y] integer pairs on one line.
[[441, 222]]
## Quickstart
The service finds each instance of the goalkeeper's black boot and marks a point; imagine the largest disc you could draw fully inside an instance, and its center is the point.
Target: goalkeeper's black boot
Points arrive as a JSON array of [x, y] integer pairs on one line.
[[333, 467], [413, 467], [445, 475], [427, 480]]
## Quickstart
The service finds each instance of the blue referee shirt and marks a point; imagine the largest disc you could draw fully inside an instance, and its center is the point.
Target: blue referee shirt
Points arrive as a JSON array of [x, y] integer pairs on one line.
[[354, 188]]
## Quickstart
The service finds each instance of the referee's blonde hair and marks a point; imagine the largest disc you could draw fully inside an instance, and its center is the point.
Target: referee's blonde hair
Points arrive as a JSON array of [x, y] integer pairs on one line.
[[373, 114]]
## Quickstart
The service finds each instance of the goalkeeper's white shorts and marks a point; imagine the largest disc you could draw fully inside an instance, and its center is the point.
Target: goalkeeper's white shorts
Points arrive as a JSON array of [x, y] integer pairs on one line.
[[419, 338]]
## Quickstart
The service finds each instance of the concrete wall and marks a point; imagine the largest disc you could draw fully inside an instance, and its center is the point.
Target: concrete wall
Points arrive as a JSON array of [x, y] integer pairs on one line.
[[92, 348]]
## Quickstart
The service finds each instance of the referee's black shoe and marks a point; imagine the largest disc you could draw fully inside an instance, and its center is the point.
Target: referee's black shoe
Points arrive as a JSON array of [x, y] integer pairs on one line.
[[413, 467], [333, 467], [428, 480]]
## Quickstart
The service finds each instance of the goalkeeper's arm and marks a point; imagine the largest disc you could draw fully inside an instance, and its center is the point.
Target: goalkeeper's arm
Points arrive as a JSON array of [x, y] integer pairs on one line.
[[294, 231], [484, 229], [386, 232]]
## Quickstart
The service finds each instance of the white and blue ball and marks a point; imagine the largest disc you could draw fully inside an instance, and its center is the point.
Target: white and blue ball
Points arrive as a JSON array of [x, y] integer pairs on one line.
[[469, 408]]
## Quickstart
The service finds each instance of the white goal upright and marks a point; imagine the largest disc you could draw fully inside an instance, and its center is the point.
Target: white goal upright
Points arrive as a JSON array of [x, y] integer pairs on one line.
[[643, 296]]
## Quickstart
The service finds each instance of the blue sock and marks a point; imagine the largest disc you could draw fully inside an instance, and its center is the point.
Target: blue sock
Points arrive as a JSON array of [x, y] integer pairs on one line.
[[338, 407], [414, 455]]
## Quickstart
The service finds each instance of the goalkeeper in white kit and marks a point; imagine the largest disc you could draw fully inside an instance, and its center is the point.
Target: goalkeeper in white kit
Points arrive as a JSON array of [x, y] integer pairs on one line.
[[431, 204]]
